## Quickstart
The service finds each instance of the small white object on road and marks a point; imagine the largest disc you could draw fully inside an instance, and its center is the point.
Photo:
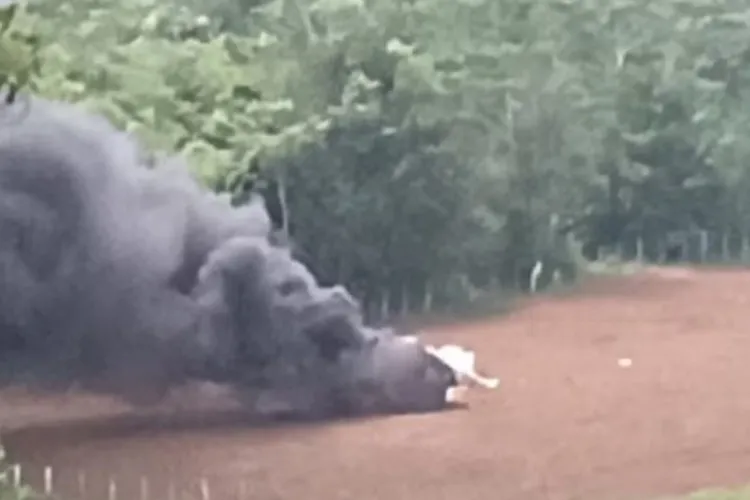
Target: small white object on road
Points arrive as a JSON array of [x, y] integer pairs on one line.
[[625, 362]]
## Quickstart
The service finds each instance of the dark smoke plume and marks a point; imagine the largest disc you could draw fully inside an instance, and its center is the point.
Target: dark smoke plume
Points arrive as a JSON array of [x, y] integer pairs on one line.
[[133, 280]]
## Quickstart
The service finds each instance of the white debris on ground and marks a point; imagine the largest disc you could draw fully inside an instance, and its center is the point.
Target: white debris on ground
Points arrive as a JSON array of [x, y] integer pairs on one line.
[[455, 394]]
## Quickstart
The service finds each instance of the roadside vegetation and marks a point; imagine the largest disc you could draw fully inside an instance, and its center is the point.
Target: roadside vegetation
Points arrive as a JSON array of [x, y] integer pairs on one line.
[[426, 154]]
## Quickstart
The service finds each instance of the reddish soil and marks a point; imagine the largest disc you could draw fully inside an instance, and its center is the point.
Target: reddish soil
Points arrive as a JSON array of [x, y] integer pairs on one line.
[[567, 422]]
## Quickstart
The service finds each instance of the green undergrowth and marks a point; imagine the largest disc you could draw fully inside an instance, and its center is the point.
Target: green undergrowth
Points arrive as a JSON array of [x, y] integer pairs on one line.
[[8, 490], [740, 493]]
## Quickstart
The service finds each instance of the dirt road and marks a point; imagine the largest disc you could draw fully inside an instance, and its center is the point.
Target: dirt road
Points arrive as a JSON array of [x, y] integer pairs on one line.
[[567, 423]]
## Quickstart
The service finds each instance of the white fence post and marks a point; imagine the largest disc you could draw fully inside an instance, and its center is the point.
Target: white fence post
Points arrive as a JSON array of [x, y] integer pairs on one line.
[[405, 301], [205, 489], [48, 485], [82, 486], [144, 488], [17, 476], [112, 489], [639, 250], [536, 272], [385, 304], [171, 491], [427, 302], [704, 246]]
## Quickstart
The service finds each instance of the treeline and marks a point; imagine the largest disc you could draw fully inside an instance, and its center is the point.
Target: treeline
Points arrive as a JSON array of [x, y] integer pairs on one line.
[[425, 151]]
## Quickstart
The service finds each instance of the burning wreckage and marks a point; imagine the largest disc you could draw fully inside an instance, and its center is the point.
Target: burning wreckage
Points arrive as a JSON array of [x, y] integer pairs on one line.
[[132, 280]]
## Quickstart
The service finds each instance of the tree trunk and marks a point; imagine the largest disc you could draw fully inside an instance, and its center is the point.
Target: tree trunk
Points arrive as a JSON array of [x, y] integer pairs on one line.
[[285, 215], [725, 253], [427, 301], [404, 301]]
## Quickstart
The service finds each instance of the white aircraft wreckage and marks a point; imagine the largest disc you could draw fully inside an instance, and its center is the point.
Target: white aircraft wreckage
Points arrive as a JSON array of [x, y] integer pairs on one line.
[[463, 363]]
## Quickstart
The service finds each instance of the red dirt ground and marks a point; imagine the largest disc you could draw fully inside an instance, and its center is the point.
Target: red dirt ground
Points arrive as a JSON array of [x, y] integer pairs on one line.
[[567, 422]]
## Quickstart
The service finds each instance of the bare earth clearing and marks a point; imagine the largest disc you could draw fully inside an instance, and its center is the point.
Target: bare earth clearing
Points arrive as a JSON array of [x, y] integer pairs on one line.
[[567, 423]]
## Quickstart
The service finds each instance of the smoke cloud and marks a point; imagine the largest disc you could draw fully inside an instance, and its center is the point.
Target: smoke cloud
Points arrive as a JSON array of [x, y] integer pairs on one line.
[[133, 280]]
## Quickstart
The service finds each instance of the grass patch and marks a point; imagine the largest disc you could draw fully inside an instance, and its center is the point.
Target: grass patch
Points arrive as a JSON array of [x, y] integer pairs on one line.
[[722, 494], [740, 493]]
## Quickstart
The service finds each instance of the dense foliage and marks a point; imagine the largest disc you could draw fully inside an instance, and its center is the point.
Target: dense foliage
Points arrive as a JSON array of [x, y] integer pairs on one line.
[[8, 489], [420, 150]]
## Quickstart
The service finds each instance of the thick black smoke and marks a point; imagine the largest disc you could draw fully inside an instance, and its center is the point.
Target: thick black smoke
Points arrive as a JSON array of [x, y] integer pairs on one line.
[[133, 280]]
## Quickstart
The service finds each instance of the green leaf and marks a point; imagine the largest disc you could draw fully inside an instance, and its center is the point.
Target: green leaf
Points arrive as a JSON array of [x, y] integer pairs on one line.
[[236, 55], [6, 16]]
